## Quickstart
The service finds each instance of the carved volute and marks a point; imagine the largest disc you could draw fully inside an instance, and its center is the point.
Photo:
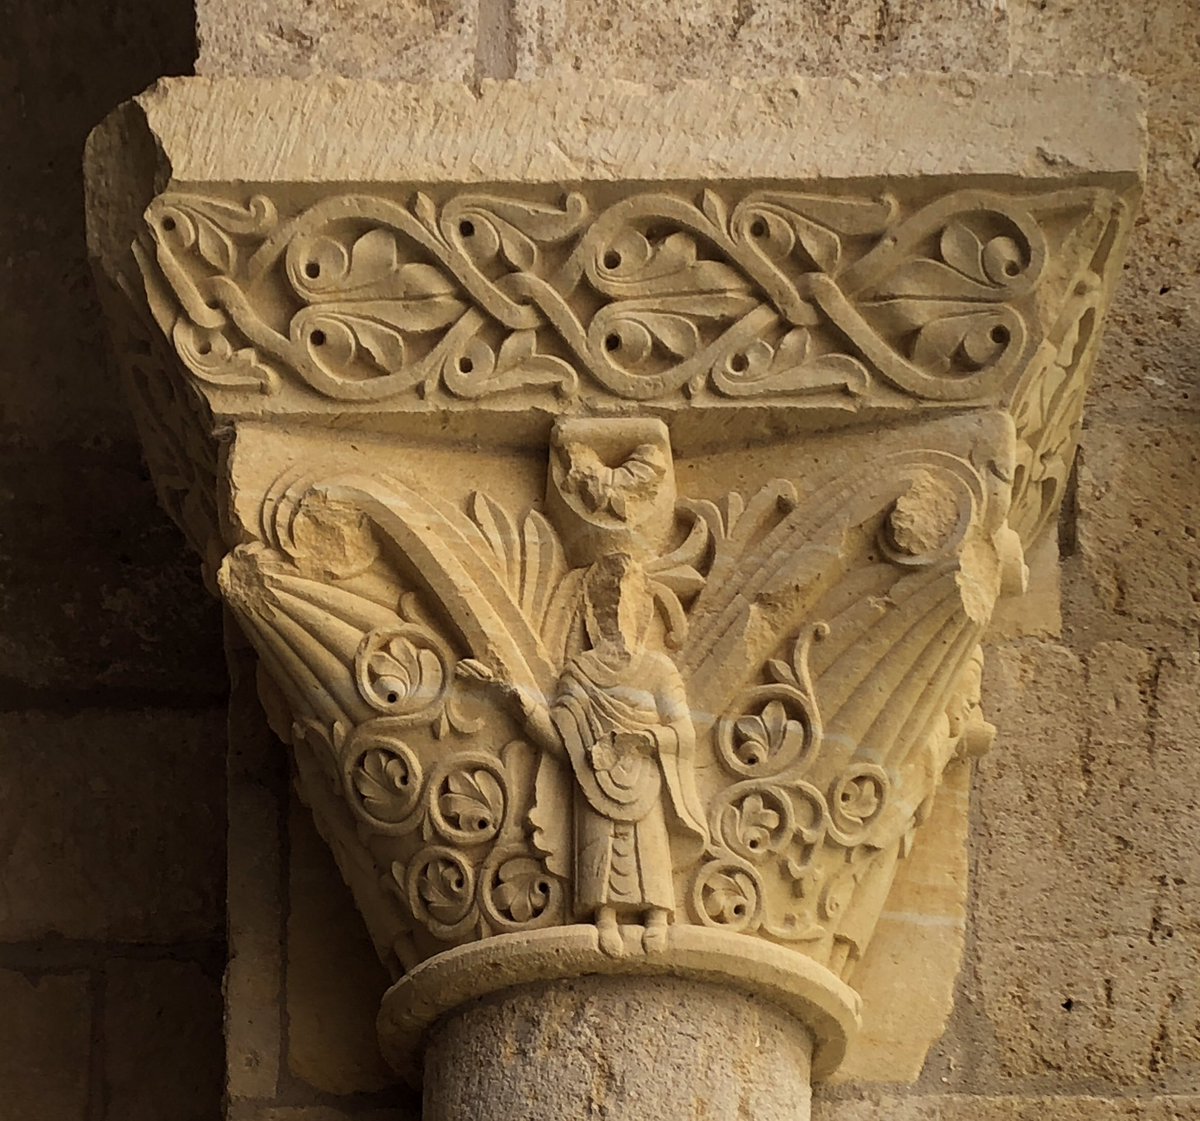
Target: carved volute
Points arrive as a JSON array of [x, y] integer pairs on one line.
[[618, 546]]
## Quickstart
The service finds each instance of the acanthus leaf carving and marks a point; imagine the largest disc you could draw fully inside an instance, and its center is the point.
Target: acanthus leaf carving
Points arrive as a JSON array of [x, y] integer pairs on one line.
[[731, 713]]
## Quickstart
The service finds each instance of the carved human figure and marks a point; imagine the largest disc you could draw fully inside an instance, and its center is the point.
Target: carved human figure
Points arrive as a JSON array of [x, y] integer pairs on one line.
[[620, 720], [617, 726]]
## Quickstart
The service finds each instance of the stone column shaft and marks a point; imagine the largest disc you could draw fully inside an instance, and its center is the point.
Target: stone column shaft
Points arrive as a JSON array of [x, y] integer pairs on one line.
[[621, 1048]]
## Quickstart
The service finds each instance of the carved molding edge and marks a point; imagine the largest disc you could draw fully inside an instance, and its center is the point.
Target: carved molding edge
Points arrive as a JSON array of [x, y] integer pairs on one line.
[[672, 684]]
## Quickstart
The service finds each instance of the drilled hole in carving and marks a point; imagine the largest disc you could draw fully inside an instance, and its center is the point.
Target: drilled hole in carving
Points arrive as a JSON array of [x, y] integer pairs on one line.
[[466, 228], [758, 228], [213, 304], [204, 348], [739, 910], [1011, 268], [739, 363], [312, 270], [392, 698], [317, 337], [612, 259], [465, 365], [168, 224], [612, 342], [999, 334]]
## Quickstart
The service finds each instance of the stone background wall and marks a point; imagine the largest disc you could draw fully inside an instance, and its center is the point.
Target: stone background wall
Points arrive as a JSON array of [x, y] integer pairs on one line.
[[1080, 997], [111, 683]]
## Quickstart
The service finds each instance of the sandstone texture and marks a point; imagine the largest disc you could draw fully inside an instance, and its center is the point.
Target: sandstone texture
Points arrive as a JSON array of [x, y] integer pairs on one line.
[[617, 1048], [1079, 995], [682, 39], [412, 601], [410, 39]]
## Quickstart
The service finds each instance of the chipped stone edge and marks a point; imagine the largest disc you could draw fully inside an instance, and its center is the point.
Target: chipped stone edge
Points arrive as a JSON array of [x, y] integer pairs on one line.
[[283, 130]]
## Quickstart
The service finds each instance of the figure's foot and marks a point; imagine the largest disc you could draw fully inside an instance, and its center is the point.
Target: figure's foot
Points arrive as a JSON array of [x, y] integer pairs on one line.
[[611, 942], [654, 937]]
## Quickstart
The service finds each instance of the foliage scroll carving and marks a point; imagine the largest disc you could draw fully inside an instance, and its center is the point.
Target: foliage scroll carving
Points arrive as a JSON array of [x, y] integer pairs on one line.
[[631, 708], [724, 294]]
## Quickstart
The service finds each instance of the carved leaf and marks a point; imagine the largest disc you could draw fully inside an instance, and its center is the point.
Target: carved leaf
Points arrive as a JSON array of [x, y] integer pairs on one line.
[[500, 532], [523, 889], [962, 250], [384, 344], [425, 211], [677, 334], [473, 801], [444, 889], [214, 245]]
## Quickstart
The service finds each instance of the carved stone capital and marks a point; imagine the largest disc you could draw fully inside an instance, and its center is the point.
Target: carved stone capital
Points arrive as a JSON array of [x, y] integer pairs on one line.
[[616, 484]]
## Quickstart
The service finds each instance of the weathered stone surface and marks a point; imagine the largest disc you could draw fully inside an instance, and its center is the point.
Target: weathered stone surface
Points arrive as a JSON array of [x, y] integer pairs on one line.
[[411, 40], [1138, 525], [916, 948], [986, 1107], [1087, 960], [111, 825], [331, 1042], [1175, 729], [250, 1111], [675, 39], [570, 131], [163, 1048], [617, 1048], [1120, 1010], [1059, 793], [1149, 353], [45, 1046], [1037, 612], [659, 700]]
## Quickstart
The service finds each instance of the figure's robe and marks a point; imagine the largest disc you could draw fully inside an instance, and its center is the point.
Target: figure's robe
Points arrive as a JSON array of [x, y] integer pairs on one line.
[[627, 733]]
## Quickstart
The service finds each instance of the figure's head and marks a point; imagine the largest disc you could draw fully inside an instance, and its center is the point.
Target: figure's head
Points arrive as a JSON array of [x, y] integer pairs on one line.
[[618, 603], [611, 487]]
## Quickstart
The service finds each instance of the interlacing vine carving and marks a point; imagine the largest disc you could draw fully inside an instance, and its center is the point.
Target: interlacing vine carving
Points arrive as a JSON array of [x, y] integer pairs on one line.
[[724, 294]]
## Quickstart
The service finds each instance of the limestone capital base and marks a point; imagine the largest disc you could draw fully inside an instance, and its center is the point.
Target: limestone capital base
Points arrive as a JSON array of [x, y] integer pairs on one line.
[[815, 998]]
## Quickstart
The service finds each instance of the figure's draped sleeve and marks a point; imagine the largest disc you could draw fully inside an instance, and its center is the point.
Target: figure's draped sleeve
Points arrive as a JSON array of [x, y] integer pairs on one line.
[[677, 761]]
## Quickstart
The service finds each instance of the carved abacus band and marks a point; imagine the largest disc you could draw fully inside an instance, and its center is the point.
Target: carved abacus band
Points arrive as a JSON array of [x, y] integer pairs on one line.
[[660, 296]]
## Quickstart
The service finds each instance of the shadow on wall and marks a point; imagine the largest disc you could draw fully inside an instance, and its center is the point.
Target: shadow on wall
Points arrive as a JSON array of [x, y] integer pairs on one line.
[[111, 676], [102, 604]]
